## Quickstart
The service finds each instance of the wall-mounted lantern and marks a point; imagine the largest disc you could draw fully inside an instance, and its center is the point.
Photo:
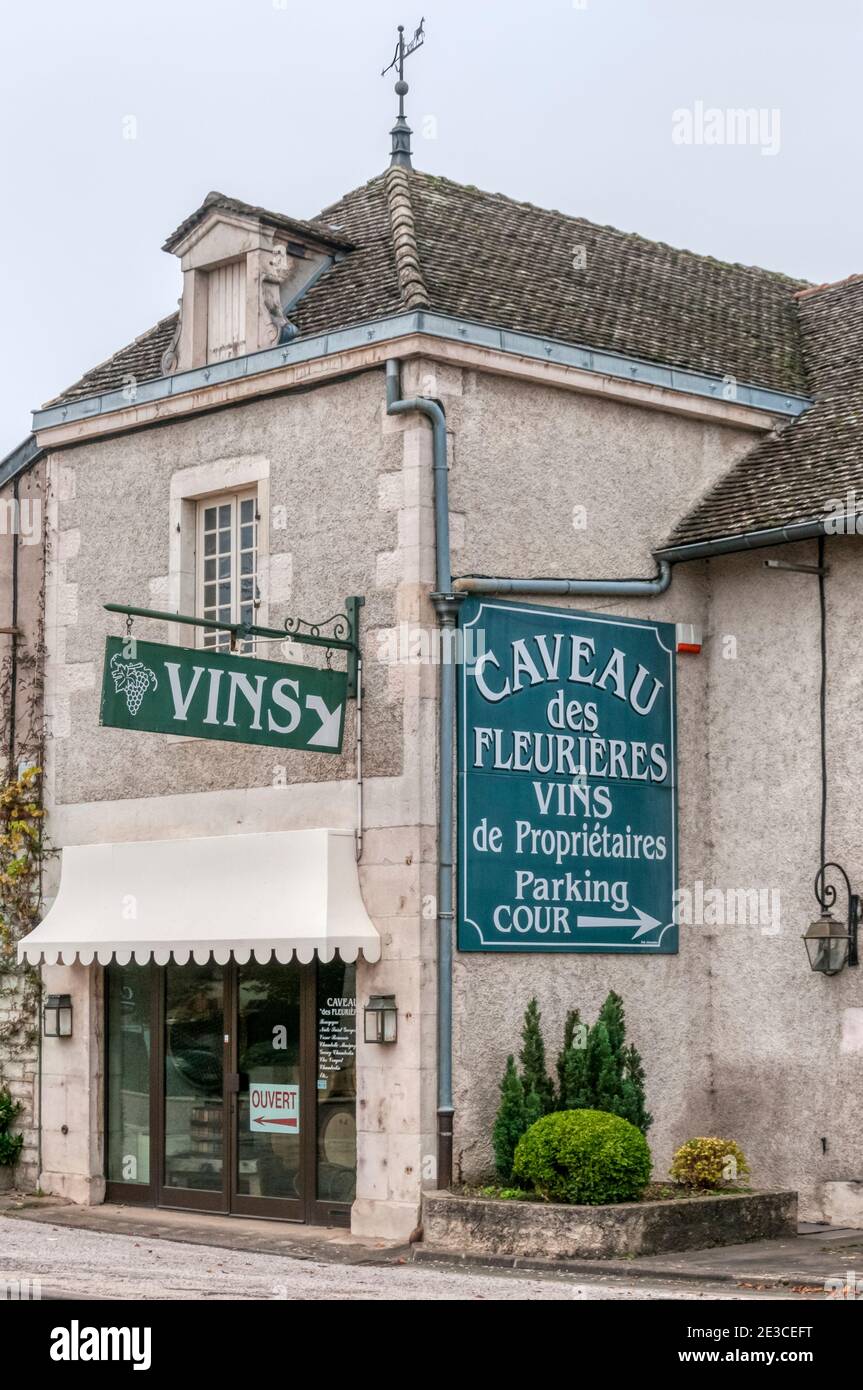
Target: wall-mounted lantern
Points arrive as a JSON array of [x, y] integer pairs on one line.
[[380, 1019], [57, 1016], [831, 944]]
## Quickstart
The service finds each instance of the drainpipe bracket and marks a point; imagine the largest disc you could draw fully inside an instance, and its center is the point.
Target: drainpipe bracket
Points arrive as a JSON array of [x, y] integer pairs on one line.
[[447, 602]]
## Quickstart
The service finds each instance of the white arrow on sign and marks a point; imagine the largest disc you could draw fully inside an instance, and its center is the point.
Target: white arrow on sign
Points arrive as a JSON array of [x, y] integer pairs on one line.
[[327, 735], [642, 920]]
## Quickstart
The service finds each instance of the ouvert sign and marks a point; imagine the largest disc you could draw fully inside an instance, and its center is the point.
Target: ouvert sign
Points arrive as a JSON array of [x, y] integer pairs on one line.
[[567, 781], [221, 695]]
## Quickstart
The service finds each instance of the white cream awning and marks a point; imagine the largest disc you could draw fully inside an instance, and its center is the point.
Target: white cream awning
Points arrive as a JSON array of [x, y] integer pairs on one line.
[[280, 893]]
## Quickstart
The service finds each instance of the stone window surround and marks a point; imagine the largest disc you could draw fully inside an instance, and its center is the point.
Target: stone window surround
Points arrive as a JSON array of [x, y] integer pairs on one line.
[[189, 486]]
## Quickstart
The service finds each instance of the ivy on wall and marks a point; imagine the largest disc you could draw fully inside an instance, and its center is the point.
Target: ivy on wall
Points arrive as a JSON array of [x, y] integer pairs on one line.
[[22, 841], [21, 855]]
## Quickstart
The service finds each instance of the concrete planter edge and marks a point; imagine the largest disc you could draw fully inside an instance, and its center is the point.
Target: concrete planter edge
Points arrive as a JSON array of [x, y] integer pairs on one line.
[[492, 1226]]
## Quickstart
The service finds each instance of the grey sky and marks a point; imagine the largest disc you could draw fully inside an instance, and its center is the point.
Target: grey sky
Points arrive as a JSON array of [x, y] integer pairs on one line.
[[565, 103]]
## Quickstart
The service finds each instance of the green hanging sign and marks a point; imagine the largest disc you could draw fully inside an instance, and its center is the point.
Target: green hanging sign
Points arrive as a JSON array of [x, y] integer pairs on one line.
[[221, 695], [567, 781]]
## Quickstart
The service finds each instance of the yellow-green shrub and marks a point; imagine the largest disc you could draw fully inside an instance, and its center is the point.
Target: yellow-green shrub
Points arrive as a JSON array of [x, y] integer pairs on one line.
[[709, 1163]]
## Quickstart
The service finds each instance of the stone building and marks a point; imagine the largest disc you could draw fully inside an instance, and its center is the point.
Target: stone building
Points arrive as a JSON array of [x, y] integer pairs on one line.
[[426, 395]]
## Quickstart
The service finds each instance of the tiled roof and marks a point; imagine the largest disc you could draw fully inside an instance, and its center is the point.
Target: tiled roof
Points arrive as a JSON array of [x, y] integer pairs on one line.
[[420, 240], [317, 230], [794, 475], [141, 359]]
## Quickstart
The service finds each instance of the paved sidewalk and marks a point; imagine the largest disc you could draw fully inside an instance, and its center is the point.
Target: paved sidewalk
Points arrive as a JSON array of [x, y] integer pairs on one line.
[[800, 1264], [201, 1228]]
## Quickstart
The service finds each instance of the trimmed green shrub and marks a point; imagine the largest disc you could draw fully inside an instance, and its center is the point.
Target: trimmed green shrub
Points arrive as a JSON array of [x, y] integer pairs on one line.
[[709, 1163], [10, 1144], [584, 1157]]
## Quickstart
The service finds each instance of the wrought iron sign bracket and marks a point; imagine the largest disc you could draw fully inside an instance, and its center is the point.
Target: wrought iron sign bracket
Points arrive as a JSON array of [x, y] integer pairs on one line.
[[344, 635]]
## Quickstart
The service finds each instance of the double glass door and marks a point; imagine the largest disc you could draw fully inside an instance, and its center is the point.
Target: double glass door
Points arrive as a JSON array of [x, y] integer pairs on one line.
[[233, 1089]]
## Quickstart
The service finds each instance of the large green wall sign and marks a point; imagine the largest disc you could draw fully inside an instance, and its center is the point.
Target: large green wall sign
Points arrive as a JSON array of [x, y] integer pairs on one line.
[[567, 781], [210, 694]]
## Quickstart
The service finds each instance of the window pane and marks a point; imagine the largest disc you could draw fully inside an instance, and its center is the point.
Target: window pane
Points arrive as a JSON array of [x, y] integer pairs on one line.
[[229, 554], [194, 1118], [337, 1081], [129, 990]]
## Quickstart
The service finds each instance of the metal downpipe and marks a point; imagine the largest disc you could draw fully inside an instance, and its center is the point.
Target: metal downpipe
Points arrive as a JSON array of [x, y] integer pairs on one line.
[[446, 603]]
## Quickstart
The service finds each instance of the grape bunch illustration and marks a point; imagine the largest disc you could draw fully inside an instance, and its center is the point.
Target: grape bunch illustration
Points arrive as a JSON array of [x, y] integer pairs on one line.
[[134, 679]]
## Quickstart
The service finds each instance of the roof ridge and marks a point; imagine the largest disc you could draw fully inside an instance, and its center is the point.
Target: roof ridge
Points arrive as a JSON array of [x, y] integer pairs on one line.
[[829, 285], [414, 290]]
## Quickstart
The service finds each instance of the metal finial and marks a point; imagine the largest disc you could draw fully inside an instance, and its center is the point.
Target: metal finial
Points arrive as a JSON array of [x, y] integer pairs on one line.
[[401, 131]]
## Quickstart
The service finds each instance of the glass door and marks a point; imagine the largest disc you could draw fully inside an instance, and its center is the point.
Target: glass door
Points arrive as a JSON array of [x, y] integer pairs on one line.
[[268, 1091], [194, 1135], [233, 1088]]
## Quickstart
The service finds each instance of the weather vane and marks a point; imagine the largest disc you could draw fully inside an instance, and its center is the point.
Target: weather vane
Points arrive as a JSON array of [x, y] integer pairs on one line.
[[401, 131]]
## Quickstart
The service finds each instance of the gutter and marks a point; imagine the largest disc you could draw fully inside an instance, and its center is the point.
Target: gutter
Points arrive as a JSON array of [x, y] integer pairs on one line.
[[392, 328], [744, 540], [20, 459]]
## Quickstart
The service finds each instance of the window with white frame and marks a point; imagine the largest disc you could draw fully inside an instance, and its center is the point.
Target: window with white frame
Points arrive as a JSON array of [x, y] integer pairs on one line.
[[227, 564]]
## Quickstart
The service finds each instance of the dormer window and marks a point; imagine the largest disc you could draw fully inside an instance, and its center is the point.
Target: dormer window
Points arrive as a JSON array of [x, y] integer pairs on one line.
[[243, 271], [226, 311]]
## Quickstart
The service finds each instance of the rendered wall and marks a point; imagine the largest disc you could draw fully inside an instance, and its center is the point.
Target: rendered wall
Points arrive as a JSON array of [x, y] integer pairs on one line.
[[523, 460], [786, 1065]]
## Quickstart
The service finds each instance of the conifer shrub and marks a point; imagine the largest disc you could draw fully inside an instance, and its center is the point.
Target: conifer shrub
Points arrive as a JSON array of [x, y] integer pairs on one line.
[[602, 1073], [583, 1157], [534, 1073], [595, 1068], [709, 1164], [525, 1095]]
